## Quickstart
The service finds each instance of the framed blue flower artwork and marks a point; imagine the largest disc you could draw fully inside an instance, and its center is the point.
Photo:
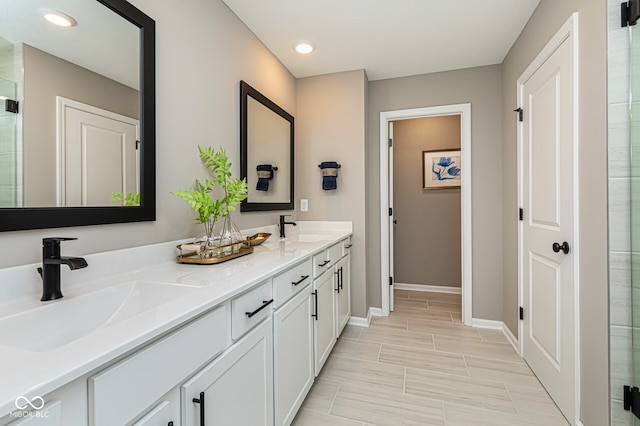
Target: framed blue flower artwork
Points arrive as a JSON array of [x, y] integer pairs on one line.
[[441, 169]]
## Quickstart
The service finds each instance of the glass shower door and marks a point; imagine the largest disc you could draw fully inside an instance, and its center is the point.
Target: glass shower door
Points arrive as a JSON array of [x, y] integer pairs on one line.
[[9, 165], [634, 133]]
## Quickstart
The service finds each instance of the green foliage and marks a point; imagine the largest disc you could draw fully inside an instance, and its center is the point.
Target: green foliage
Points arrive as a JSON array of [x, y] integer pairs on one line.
[[130, 199], [200, 199]]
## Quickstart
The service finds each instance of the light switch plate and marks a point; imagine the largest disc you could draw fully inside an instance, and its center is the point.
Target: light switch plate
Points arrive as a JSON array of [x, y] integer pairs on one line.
[[304, 205]]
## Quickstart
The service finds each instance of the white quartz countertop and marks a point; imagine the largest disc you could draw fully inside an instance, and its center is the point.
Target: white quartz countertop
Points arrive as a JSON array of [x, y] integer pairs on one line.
[[30, 373]]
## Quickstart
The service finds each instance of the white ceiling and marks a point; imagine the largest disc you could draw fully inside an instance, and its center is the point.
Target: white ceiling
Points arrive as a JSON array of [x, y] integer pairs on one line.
[[387, 38], [102, 41]]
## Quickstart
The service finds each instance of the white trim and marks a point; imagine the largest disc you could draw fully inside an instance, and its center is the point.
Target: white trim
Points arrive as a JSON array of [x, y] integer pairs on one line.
[[485, 323], [511, 338], [376, 312], [429, 288], [359, 321], [62, 104], [364, 322], [568, 30], [464, 110]]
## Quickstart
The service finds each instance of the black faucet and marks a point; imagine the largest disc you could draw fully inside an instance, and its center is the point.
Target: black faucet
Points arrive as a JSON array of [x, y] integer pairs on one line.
[[50, 271], [283, 223]]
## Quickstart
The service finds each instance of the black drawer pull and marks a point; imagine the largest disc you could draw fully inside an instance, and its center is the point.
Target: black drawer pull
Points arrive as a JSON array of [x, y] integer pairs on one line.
[[315, 293], [201, 402], [349, 246], [324, 263], [302, 278], [265, 303]]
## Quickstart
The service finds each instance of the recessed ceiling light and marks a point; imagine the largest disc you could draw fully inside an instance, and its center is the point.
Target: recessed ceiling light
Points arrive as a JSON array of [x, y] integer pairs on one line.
[[304, 47], [58, 18]]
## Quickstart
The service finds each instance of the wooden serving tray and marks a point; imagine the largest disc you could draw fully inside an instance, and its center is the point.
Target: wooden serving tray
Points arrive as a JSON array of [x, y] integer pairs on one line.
[[194, 257]]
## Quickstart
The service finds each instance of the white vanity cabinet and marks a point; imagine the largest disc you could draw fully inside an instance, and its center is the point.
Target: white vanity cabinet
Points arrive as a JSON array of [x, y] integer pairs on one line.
[[237, 387], [292, 341], [132, 387], [343, 292], [324, 315]]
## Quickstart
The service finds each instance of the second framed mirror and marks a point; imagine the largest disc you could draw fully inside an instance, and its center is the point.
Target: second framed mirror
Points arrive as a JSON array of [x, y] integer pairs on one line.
[[266, 152]]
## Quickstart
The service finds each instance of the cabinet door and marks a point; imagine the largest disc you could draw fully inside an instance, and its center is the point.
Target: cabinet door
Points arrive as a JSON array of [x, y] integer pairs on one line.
[[292, 355], [343, 293], [165, 412], [237, 387], [324, 324]]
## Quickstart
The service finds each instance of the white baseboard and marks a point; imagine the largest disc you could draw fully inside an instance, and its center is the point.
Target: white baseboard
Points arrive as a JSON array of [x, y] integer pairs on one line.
[[375, 312], [511, 338], [497, 325], [484, 323], [364, 322], [429, 288]]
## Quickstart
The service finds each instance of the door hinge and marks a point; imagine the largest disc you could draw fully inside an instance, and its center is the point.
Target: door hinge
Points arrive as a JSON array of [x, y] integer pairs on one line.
[[390, 280], [11, 106], [629, 13], [632, 400], [521, 313], [390, 142], [137, 144], [520, 112], [521, 214], [390, 211]]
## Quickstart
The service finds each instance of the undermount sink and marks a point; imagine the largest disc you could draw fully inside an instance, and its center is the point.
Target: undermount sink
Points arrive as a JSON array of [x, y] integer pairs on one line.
[[311, 238], [64, 321]]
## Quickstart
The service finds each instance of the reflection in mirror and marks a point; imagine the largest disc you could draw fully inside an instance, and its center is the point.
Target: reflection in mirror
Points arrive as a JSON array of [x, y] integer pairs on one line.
[[82, 130], [79, 107], [266, 148]]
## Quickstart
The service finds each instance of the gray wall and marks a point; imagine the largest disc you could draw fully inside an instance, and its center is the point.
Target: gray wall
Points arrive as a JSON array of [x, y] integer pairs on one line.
[[331, 127], [592, 181], [482, 87], [202, 52], [45, 77], [427, 238]]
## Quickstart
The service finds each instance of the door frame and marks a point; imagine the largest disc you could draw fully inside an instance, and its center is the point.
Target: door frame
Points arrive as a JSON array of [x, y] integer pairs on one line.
[[568, 31], [62, 104], [464, 111]]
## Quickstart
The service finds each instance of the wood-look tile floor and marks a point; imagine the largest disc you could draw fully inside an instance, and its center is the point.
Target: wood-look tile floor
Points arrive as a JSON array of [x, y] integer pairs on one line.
[[421, 366]]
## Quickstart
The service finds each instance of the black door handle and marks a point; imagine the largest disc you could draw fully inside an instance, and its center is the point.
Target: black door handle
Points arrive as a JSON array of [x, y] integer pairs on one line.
[[564, 247], [395, 222], [201, 402], [265, 303], [302, 278], [315, 298], [337, 274]]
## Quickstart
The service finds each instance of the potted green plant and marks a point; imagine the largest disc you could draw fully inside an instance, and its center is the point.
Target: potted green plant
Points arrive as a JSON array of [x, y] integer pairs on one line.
[[221, 235]]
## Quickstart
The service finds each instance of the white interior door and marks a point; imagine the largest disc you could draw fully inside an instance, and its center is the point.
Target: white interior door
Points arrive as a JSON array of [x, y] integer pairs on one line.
[[547, 234], [391, 220], [98, 155]]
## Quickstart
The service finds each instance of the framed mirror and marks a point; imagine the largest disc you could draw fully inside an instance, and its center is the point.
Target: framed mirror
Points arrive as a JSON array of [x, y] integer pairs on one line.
[[266, 152], [77, 114]]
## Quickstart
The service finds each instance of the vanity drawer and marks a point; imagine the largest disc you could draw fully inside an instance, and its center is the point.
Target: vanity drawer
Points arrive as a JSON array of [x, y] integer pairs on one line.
[[290, 282], [249, 309], [326, 259], [346, 246], [124, 390]]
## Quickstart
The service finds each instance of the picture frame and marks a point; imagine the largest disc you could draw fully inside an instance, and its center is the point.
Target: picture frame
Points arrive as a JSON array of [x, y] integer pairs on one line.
[[441, 169]]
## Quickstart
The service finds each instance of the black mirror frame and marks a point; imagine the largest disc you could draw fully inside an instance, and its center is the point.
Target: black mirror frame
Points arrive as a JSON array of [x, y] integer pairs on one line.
[[18, 219], [245, 91]]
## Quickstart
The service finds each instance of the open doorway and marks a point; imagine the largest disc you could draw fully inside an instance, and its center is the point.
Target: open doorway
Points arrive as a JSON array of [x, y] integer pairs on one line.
[[463, 112]]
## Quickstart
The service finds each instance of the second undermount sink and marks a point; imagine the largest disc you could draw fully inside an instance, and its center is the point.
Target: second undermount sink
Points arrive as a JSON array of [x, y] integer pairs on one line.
[[63, 321]]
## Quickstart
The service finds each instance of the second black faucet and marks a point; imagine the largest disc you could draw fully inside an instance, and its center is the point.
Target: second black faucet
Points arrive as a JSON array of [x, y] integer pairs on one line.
[[283, 223]]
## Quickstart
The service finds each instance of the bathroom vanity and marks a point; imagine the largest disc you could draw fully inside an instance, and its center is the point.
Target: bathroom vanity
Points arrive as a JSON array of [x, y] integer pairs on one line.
[[137, 341]]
